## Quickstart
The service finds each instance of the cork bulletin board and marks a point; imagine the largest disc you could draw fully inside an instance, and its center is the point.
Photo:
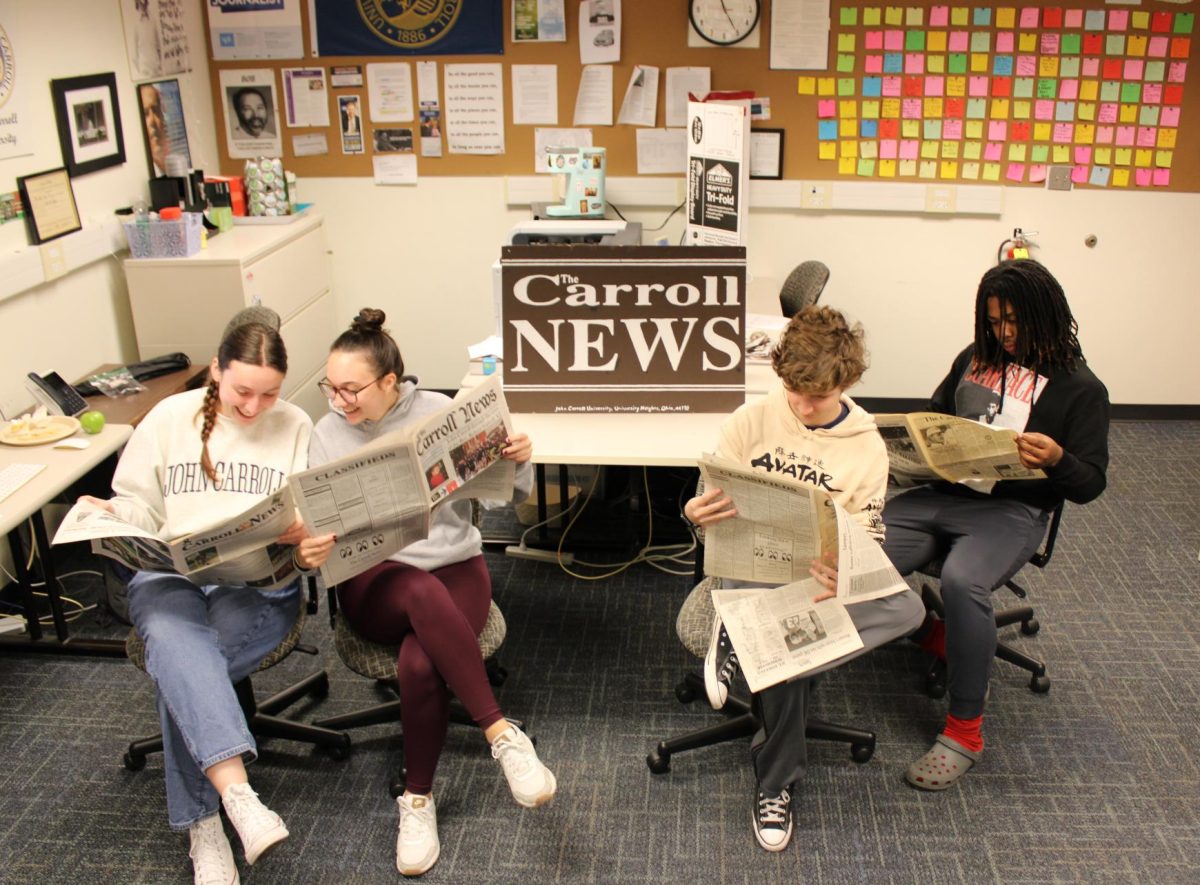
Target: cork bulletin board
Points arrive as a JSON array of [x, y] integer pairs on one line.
[[922, 92]]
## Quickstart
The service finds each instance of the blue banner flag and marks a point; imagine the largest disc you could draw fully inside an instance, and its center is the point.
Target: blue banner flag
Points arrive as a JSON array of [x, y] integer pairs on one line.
[[409, 27]]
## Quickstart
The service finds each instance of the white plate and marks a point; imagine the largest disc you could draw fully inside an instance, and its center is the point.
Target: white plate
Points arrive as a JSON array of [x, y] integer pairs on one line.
[[50, 429]]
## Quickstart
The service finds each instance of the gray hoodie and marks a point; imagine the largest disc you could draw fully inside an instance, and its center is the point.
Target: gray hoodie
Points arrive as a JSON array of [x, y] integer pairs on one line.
[[452, 536]]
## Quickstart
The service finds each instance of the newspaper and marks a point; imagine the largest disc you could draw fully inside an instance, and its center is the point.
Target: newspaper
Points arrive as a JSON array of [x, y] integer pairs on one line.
[[923, 446], [780, 633], [781, 526], [239, 551], [379, 499]]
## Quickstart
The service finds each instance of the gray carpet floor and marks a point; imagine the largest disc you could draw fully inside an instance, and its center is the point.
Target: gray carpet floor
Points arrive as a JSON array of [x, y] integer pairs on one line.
[[1097, 781]]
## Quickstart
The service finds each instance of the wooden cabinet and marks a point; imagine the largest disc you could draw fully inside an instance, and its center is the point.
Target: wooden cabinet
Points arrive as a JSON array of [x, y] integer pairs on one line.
[[183, 304]]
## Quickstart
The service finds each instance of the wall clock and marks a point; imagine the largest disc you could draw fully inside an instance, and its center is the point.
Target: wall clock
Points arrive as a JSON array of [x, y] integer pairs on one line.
[[724, 22]]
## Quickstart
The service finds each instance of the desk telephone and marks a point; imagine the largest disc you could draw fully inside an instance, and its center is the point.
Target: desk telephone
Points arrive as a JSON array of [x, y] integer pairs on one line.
[[59, 397]]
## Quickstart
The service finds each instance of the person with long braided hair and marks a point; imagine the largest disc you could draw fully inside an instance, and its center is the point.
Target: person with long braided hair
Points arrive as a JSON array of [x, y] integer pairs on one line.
[[1025, 370], [197, 458]]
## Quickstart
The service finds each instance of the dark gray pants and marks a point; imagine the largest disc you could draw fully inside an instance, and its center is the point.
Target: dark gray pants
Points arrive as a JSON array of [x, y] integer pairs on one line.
[[985, 541], [778, 749]]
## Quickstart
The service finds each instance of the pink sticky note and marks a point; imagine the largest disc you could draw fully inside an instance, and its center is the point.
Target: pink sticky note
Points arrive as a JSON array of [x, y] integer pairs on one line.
[[908, 149], [1169, 117], [1063, 133], [1049, 44], [1118, 20], [1068, 90], [1158, 47], [1083, 155], [1143, 177], [914, 63], [1029, 17], [826, 108], [959, 41], [939, 16], [952, 130], [1091, 67], [1107, 113], [997, 130], [1026, 65], [892, 87], [1015, 172], [1125, 136], [1162, 177], [935, 86], [1004, 41], [889, 149], [1037, 174], [1134, 68], [1073, 19], [1146, 136], [1104, 134], [977, 86], [1152, 93], [873, 64], [1043, 109], [893, 41], [992, 152], [1079, 174], [1176, 71], [910, 109], [873, 40]]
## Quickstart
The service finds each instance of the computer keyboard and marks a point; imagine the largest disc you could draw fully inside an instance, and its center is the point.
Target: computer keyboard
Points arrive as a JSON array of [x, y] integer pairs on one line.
[[14, 476]]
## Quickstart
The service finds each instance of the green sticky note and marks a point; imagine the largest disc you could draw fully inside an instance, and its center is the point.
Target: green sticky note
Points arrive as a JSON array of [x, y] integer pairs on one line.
[[866, 168], [914, 41], [1131, 93], [1184, 22], [1040, 153], [845, 85], [1047, 87], [1155, 71], [849, 16], [1071, 44], [845, 64], [1068, 68], [958, 63], [1110, 90]]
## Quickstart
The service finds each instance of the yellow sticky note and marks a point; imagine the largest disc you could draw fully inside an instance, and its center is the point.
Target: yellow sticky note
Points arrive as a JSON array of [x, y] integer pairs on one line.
[[948, 169], [870, 110], [1163, 159], [1016, 153], [847, 108], [908, 168], [826, 86], [868, 150], [929, 150], [933, 109], [1120, 178], [974, 129], [1102, 156], [847, 128], [956, 87], [970, 171], [1135, 45], [1128, 113], [1141, 21], [1085, 133], [1048, 66], [935, 41], [999, 108], [914, 16], [959, 16], [1088, 90], [1027, 42], [893, 15], [806, 85], [991, 171], [1166, 138], [949, 150], [927, 169], [845, 43], [1021, 110], [1085, 110], [1124, 156], [890, 109], [1142, 158], [935, 64], [848, 148], [972, 150], [910, 128], [1042, 131], [1006, 17], [847, 165], [979, 62], [871, 16], [887, 168], [1061, 153], [827, 150]]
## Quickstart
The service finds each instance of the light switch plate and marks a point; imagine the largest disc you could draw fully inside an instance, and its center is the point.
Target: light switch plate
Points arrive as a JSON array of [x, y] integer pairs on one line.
[[1060, 178]]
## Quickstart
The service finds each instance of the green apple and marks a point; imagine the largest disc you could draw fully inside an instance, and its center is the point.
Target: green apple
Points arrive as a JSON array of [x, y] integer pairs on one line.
[[92, 422]]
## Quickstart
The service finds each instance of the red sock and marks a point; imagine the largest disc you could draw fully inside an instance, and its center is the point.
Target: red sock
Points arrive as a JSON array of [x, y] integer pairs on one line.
[[934, 641], [968, 732]]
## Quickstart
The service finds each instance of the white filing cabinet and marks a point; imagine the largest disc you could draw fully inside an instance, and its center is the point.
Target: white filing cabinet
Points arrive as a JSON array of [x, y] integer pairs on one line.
[[183, 304]]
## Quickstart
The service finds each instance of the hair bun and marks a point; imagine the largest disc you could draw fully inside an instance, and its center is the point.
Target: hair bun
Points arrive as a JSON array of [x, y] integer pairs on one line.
[[369, 319]]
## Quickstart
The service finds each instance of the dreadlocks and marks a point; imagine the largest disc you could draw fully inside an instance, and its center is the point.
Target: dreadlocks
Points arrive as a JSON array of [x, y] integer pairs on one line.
[[1045, 327]]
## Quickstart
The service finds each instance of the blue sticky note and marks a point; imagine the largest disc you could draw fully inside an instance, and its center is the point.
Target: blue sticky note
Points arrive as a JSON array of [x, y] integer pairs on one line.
[[868, 129], [827, 130], [1002, 65], [1100, 176], [872, 87], [982, 17], [893, 63]]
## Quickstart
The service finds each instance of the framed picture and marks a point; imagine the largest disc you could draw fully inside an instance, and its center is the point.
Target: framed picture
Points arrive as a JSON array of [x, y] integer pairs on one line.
[[766, 153], [50, 209], [89, 122], [163, 129]]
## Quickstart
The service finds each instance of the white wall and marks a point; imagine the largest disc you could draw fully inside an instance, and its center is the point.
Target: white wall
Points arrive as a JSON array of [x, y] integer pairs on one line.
[[424, 254], [81, 320]]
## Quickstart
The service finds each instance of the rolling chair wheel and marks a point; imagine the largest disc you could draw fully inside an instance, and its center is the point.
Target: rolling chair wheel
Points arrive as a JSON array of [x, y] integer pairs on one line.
[[685, 693], [134, 763], [1030, 627], [320, 688], [396, 787], [660, 764], [861, 753], [935, 680], [1039, 684], [339, 752], [496, 675]]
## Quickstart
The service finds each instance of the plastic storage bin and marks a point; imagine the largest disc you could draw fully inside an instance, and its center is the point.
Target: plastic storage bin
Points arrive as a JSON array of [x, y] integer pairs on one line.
[[165, 239]]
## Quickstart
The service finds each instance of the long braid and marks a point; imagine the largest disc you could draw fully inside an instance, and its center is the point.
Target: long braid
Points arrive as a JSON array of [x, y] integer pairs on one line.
[[208, 411], [1046, 330]]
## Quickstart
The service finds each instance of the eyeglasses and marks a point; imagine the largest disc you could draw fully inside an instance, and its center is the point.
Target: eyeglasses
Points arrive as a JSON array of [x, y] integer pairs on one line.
[[349, 397]]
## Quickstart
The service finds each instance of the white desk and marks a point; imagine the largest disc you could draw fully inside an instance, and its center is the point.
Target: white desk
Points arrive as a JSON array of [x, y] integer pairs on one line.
[[63, 467]]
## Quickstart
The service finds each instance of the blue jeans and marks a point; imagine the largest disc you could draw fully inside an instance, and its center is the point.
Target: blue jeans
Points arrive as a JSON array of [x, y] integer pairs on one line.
[[199, 642]]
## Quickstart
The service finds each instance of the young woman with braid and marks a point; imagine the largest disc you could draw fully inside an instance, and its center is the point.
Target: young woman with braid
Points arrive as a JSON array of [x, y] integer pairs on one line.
[[1025, 370], [197, 458], [431, 599]]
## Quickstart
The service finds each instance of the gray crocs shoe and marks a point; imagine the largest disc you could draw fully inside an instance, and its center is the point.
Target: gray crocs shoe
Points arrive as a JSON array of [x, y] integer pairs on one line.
[[942, 767]]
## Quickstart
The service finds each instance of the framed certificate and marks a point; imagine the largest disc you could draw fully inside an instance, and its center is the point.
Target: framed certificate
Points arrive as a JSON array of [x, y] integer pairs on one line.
[[50, 209], [766, 153]]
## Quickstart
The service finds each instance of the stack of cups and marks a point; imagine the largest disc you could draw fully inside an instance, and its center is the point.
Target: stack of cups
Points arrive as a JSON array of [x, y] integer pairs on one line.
[[266, 187]]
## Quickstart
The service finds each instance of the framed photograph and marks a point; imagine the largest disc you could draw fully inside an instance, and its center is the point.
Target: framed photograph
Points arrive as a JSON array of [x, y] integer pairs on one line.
[[50, 209], [89, 122], [163, 128], [766, 153]]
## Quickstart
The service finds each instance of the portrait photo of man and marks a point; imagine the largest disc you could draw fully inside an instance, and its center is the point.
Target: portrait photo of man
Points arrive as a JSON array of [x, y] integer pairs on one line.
[[251, 112]]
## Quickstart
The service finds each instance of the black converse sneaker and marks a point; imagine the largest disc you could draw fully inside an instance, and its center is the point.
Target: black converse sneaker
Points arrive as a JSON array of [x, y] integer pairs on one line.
[[720, 666], [773, 819]]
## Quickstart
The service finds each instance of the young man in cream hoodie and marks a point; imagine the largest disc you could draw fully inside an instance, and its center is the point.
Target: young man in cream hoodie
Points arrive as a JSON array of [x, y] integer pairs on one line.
[[811, 431]]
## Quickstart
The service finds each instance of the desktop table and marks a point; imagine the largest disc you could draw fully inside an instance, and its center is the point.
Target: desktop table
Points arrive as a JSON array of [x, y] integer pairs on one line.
[[63, 467], [132, 409]]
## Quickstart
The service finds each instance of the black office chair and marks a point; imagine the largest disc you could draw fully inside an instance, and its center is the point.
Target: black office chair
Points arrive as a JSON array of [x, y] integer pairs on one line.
[[803, 287], [1039, 682], [694, 628], [378, 661], [260, 715]]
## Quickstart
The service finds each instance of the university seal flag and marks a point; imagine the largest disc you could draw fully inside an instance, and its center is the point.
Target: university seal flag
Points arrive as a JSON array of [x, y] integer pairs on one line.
[[408, 27]]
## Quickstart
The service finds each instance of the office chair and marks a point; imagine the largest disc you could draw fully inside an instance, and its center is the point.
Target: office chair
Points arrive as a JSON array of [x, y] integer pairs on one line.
[[694, 628], [260, 715], [378, 661], [1039, 682], [802, 287]]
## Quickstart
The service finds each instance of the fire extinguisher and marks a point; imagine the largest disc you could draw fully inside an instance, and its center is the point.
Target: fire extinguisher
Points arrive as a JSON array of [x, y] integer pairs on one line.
[[1017, 246]]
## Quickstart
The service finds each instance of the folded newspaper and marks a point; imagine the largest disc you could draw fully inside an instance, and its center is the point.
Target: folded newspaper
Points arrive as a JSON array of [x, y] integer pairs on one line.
[[780, 633], [377, 500], [782, 526], [923, 446]]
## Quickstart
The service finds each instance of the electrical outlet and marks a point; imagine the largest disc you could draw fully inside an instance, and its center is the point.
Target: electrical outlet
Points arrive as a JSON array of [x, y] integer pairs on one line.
[[815, 195], [1060, 178], [54, 262]]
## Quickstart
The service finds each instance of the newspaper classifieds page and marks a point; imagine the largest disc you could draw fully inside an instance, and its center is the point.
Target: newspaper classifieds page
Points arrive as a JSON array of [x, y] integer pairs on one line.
[[780, 528], [239, 551], [779, 633], [956, 449], [379, 499]]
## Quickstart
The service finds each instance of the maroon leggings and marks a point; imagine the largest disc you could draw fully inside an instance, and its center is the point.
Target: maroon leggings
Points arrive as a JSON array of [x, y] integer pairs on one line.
[[436, 617]]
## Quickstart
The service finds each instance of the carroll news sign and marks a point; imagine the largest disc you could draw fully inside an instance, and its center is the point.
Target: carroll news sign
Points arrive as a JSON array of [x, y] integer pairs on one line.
[[623, 329]]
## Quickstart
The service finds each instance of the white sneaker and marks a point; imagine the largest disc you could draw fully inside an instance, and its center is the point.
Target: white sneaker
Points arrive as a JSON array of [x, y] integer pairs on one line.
[[417, 845], [531, 782], [259, 828], [212, 858]]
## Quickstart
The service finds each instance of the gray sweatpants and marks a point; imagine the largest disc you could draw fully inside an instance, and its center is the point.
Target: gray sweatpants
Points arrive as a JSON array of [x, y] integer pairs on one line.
[[985, 541], [778, 749]]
